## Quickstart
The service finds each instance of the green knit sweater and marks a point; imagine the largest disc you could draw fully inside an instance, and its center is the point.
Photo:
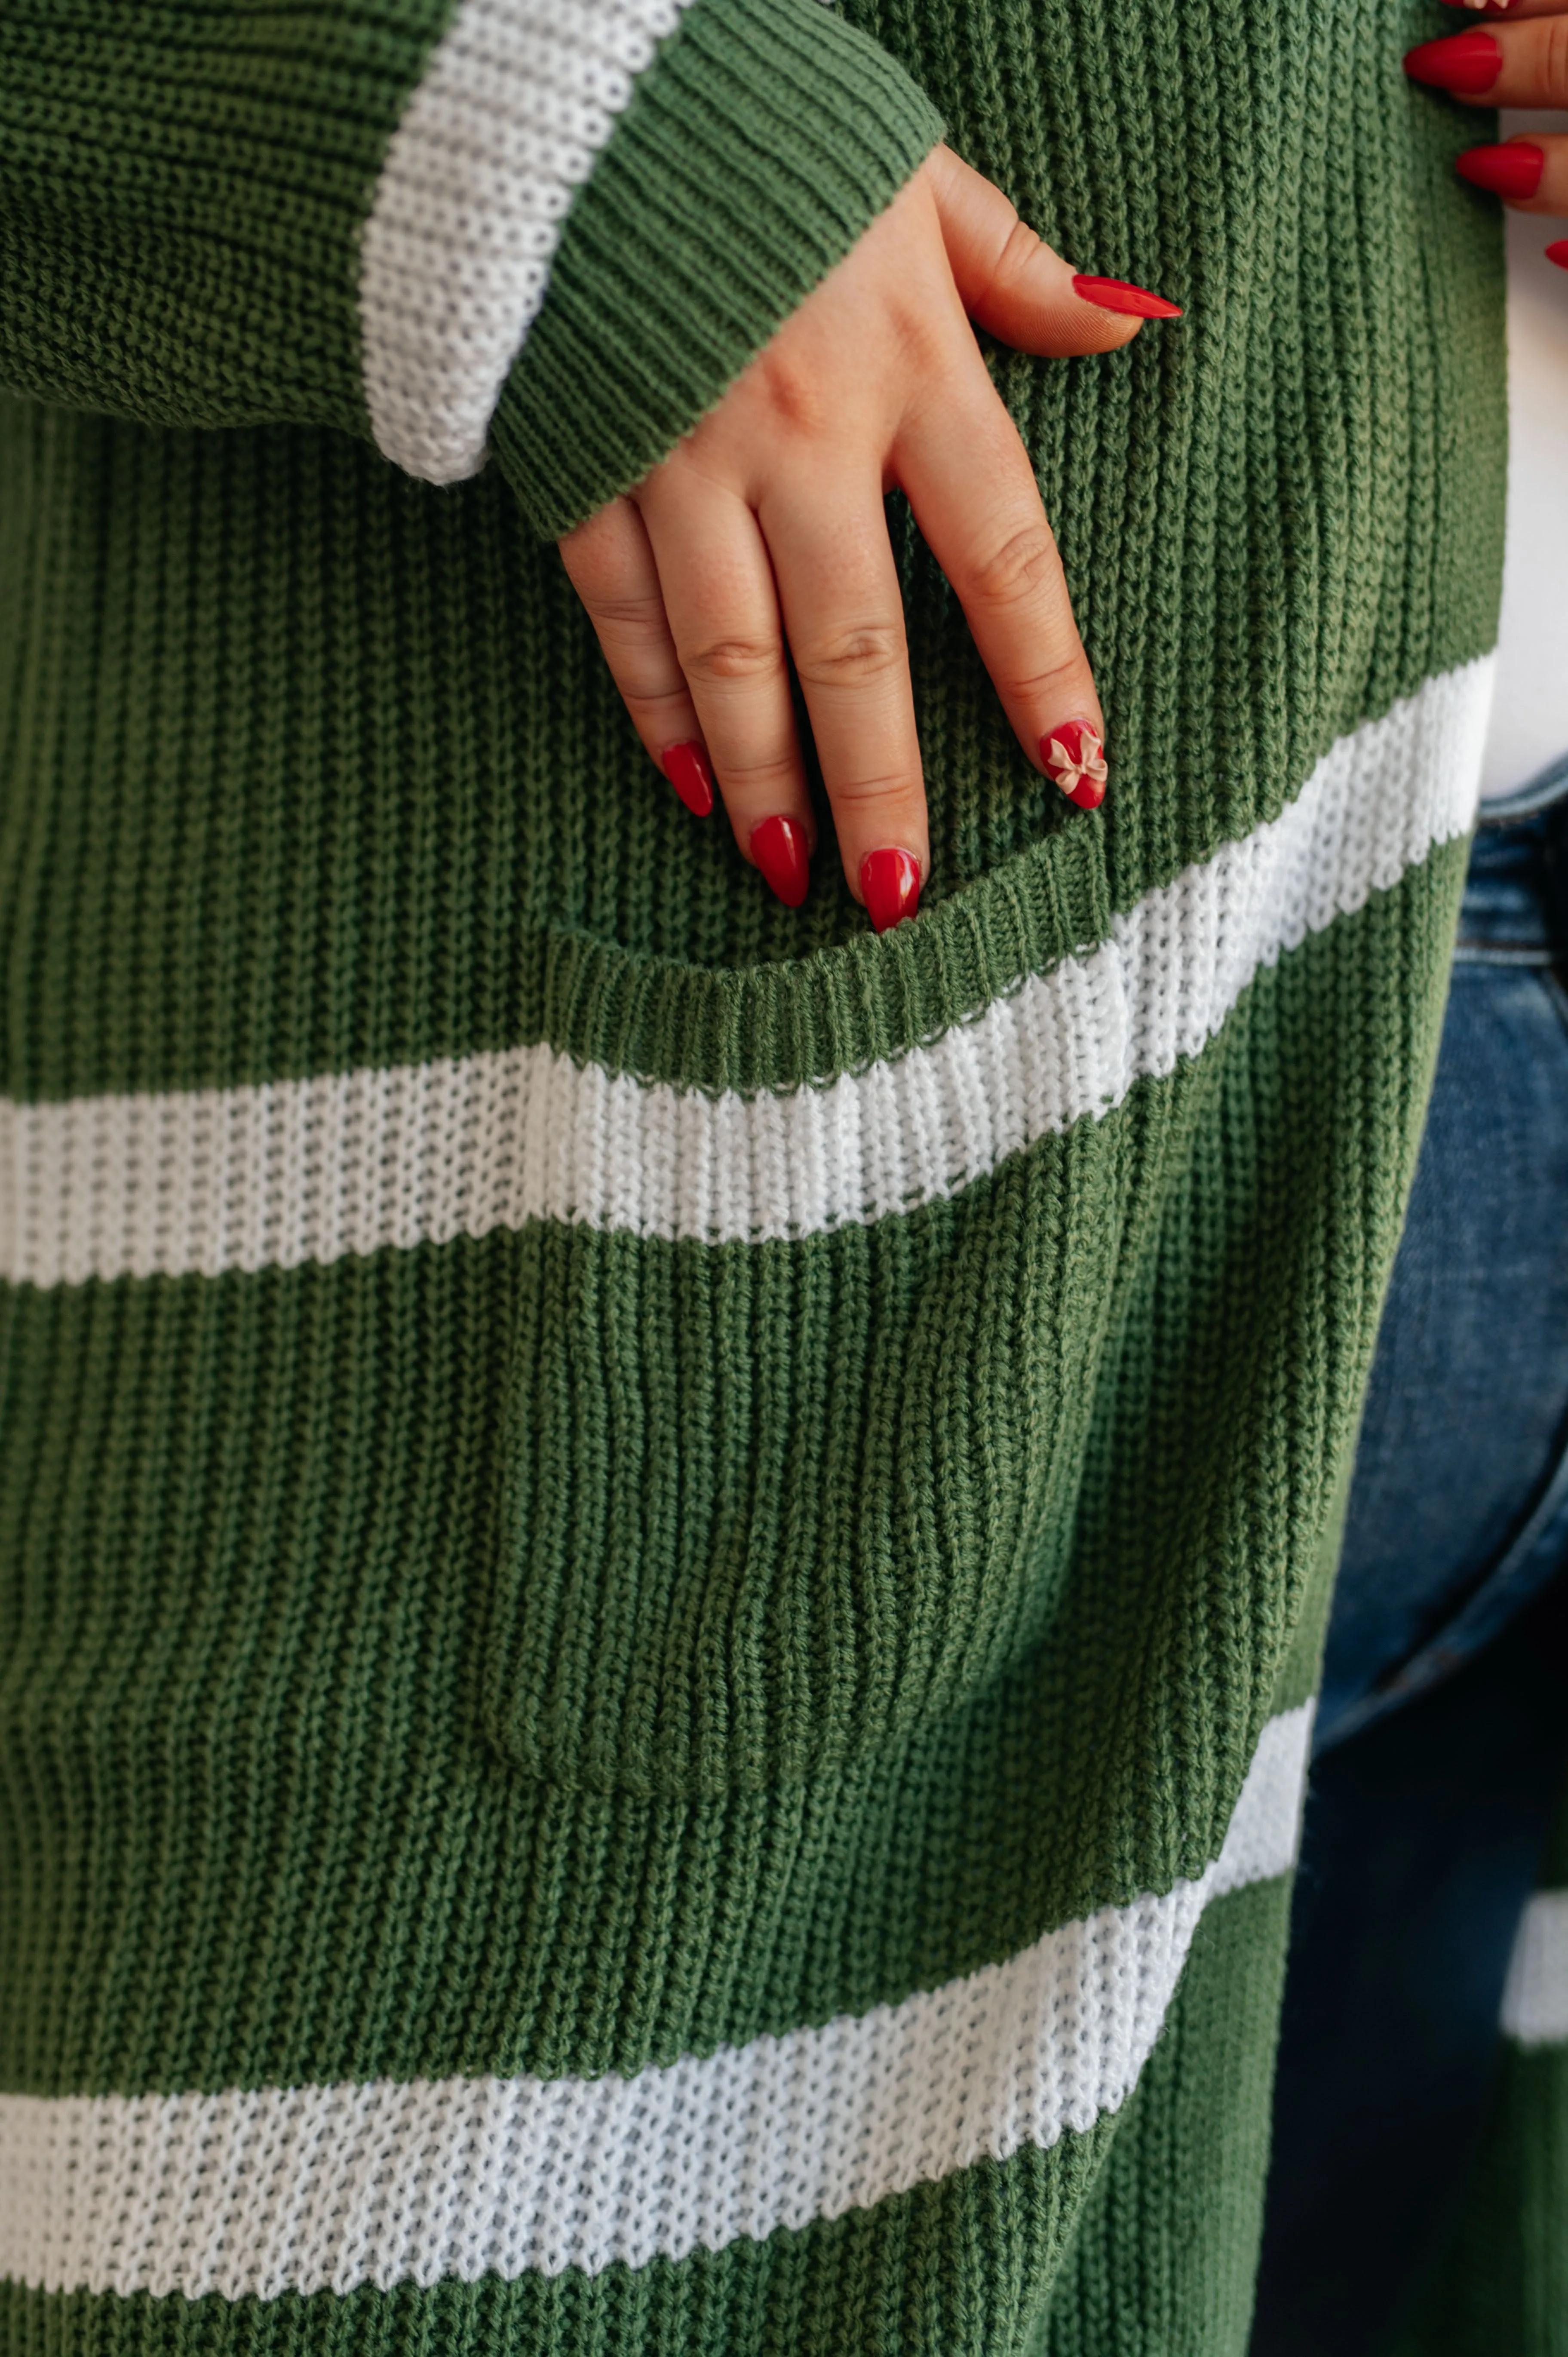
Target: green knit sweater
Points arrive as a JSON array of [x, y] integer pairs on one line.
[[660, 1562]]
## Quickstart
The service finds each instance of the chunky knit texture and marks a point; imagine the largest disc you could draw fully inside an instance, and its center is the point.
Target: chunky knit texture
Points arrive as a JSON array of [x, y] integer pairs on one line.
[[660, 1562]]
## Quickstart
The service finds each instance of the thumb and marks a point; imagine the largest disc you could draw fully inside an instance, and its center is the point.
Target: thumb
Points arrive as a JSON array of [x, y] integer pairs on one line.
[[1012, 284]]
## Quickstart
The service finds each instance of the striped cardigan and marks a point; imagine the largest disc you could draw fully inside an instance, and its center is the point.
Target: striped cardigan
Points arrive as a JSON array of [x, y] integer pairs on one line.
[[662, 1562]]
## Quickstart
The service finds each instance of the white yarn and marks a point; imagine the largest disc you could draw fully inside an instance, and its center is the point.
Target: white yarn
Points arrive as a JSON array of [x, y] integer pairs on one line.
[[516, 101], [309, 2189], [1535, 2000], [287, 1172]]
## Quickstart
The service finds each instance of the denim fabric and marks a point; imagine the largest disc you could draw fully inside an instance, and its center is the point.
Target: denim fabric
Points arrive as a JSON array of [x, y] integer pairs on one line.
[[1442, 1733], [1459, 1511], [1422, 1840]]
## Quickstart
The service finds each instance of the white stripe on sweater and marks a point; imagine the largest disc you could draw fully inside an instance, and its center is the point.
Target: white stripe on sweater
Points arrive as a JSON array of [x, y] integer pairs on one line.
[[296, 1171], [310, 2188], [1535, 2001], [516, 101]]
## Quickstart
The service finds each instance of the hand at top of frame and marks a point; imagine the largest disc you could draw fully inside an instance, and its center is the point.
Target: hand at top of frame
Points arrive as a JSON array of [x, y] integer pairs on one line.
[[1514, 53], [765, 529]]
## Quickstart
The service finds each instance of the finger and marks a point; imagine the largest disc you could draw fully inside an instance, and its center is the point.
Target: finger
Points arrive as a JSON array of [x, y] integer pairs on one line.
[[1490, 10], [1531, 173], [844, 615], [970, 482], [609, 563], [1522, 63], [1013, 285], [724, 617]]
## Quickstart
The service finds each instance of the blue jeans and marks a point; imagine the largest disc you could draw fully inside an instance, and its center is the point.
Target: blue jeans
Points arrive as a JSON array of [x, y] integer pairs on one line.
[[1443, 1731]]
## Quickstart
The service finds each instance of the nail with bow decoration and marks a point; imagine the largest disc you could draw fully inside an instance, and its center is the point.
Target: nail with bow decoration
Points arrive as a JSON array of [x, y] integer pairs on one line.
[[1073, 756]]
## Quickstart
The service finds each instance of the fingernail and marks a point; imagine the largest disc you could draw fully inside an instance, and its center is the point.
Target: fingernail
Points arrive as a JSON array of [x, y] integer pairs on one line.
[[1074, 757], [779, 847], [1467, 63], [686, 767], [1120, 295], [1557, 252], [890, 886], [1511, 170], [1497, 7]]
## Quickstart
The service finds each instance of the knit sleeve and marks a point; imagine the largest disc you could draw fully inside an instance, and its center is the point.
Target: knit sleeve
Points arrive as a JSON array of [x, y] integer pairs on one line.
[[560, 227], [765, 137]]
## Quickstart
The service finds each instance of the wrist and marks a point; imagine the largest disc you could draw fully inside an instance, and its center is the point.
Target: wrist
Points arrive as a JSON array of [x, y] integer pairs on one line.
[[758, 148]]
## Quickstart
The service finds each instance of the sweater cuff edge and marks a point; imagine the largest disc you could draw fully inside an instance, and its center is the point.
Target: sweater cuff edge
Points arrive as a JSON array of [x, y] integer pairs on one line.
[[757, 150]]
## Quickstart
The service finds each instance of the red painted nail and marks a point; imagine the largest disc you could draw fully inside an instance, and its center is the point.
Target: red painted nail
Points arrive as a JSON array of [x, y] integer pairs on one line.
[[1073, 754], [686, 767], [779, 847], [890, 886], [1120, 295], [1466, 63], [1511, 170], [1557, 252]]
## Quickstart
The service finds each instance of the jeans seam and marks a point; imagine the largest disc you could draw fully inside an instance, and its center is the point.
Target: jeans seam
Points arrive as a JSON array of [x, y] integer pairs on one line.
[[1551, 981]]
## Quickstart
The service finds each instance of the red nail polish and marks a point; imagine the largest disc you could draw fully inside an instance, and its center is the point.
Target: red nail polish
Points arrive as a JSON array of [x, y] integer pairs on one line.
[[1466, 63], [1511, 170], [779, 847], [1073, 754], [890, 886], [1120, 295], [686, 767], [1557, 252]]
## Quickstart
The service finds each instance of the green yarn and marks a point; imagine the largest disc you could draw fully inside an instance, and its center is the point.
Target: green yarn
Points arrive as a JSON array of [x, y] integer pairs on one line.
[[524, 863], [566, 1649], [181, 190], [306, 1507], [1167, 2251], [1156, 2200], [676, 266]]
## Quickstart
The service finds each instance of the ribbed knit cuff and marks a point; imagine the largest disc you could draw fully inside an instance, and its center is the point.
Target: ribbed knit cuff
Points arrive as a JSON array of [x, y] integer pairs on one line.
[[759, 145]]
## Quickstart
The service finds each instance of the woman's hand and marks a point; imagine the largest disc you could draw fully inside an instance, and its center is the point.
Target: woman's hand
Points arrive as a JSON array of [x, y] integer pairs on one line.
[[1518, 58], [765, 525]]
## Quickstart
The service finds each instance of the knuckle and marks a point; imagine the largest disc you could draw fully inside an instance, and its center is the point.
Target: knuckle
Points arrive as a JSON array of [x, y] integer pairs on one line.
[[893, 792], [1062, 668], [1020, 569], [1554, 61], [1014, 257], [1055, 680], [633, 618], [762, 777], [923, 341], [718, 662], [854, 657], [793, 391], [645, 701]]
